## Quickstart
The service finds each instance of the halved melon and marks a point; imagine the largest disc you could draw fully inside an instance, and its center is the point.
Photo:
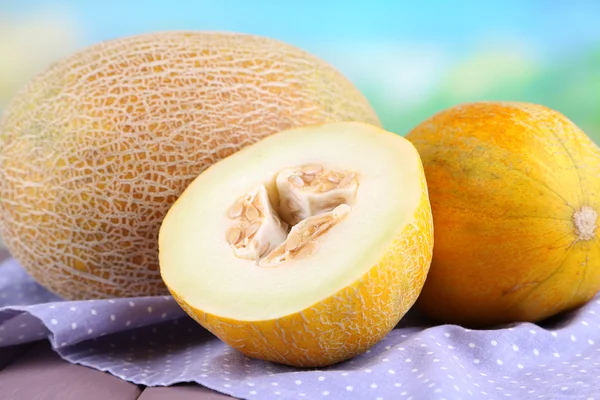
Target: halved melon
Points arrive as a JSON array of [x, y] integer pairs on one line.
[[305, 248]]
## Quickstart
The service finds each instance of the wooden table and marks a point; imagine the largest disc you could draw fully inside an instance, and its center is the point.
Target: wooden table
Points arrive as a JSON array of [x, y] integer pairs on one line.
[[35, 372]]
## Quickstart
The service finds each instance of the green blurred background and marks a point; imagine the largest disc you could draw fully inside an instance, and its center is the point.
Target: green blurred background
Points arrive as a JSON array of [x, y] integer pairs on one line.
[[411, 59]]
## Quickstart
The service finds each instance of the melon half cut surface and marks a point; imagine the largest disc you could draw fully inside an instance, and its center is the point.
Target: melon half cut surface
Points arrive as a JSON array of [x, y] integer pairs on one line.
[[305, 248]]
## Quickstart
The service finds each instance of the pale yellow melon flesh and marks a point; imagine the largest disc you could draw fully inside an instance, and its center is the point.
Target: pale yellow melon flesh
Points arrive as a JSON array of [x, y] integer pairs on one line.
[[94, 150], [329, 306]]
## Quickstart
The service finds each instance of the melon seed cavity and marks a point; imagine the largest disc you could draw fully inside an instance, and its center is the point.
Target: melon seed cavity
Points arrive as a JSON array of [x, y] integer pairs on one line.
[[313, 189], [256, 228], [312, 199]]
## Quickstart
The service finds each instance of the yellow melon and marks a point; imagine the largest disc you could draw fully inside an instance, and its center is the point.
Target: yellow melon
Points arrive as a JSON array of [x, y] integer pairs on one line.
[[305, 248], [515, 194], [94, 150]]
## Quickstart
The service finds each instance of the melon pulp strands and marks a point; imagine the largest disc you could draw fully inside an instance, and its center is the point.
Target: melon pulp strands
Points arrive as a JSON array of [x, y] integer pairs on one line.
[[333, 304]]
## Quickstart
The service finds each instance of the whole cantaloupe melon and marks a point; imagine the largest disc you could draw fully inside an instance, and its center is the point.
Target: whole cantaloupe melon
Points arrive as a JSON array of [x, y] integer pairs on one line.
[[94, 150], [515, 195]]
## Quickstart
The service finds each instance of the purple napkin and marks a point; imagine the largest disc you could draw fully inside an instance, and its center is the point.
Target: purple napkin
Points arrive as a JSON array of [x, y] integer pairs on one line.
[[151, 341]]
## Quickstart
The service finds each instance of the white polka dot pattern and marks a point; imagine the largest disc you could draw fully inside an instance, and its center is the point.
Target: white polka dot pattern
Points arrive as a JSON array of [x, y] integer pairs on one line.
[[150, 341]]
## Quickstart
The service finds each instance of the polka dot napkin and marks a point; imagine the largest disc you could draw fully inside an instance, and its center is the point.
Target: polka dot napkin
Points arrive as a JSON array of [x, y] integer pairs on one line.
[[150, 341]]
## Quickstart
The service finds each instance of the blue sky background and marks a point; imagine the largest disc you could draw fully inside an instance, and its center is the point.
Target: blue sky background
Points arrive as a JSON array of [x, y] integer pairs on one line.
[[410, 58], [551, 26]]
